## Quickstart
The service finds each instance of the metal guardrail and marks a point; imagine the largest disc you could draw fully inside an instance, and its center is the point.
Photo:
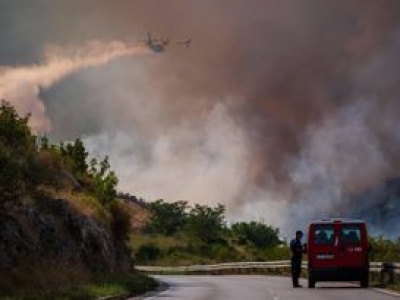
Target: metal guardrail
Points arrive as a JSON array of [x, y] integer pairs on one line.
[[379, 266], [222, 266], [386, 271]]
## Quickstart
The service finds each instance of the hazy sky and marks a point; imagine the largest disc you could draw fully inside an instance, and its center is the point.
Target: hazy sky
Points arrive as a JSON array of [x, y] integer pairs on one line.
[[281, 110]]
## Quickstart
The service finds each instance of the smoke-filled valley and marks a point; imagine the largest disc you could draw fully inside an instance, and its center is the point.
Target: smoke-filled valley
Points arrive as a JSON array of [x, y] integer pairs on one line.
[[283, 111]]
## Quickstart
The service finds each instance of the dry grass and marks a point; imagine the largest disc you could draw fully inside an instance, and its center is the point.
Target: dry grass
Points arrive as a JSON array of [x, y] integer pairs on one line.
[[81, 202], [161, 241], [139, 215]]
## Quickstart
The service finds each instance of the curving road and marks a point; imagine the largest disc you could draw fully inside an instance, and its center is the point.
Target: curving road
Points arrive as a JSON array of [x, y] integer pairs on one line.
[[257, 288]]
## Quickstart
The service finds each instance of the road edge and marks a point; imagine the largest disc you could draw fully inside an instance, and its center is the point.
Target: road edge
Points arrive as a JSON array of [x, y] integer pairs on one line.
[[165, 287], [162, 288], [387, 292]]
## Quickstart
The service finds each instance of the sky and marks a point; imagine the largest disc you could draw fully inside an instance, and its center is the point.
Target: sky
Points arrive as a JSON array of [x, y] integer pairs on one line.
[[284, 111]]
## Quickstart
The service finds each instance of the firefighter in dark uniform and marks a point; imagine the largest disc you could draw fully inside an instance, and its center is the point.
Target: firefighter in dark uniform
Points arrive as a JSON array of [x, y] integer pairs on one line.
[[296, 249]]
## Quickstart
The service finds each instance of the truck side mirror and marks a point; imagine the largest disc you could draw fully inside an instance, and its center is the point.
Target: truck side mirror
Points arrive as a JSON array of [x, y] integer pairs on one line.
[[305, 248]]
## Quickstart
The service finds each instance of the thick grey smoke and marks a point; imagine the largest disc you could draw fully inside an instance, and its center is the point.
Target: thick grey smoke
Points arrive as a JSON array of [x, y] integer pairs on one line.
[[282, 110], [22, 85], [340, 157]]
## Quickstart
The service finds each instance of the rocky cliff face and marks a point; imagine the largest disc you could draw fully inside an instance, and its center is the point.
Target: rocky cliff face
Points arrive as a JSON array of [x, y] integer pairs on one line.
[[54, 230]]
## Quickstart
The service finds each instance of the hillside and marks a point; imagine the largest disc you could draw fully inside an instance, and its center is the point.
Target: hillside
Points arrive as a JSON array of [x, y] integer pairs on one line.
[[59, 220]]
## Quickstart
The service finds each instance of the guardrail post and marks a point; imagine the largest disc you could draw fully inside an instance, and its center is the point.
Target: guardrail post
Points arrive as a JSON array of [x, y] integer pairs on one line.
[[388, 269]]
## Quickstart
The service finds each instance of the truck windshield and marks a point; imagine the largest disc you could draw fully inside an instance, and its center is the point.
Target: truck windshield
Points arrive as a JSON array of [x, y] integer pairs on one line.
[[324, 234], [350, 235]]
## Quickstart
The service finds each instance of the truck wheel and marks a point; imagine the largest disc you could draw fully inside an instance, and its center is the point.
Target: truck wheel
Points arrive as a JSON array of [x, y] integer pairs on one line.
[[311, 282], [364, 282]]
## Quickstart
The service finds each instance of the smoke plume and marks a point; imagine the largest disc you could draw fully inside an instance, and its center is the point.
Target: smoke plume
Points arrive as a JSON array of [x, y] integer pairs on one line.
[[283, 111], [22, 85]]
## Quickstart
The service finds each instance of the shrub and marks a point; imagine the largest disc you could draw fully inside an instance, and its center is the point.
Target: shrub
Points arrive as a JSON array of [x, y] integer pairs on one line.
[[147, 253], [385, 250], [224, 253], [255, 233]]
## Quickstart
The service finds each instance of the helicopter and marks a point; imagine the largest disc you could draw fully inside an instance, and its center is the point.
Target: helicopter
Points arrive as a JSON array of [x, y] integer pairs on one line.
[[160, 45]]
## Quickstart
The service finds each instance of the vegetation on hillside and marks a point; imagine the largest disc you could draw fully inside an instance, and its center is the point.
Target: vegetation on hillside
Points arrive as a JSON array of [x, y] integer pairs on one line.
[[177, 233], [34, 170], [60, 222], [385, 250], [30, 163]]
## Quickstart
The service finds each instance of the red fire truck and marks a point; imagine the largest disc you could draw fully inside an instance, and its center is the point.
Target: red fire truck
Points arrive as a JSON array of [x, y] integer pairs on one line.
[[338, 250]]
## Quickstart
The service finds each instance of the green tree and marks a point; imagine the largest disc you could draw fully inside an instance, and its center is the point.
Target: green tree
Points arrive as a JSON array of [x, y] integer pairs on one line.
[[206, 223], [44, 143], [79, 156], [62, 150], [93, 166], [75, 156], [17, 159], [167, 218], [105, 182], [255, 233], [14, 130]]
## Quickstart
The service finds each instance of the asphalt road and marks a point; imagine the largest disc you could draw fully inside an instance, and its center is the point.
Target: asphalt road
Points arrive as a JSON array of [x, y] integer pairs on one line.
[[257, 288]]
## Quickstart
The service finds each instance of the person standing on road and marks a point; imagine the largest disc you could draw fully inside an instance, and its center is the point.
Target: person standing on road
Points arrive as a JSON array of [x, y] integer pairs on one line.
[[296, 250]]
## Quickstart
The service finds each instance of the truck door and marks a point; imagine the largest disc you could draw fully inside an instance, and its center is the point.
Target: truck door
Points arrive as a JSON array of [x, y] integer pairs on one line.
[[352, 250], [323, 247]]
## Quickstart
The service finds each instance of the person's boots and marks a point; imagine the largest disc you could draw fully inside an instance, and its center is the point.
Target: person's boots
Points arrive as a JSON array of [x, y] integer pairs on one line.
[[296, 282]]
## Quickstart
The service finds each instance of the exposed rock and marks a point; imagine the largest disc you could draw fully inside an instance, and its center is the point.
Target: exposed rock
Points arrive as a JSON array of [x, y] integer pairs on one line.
[[28, 233], [14, 242]]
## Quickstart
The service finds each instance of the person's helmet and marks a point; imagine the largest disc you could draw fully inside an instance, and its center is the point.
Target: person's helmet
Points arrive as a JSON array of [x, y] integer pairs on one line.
[[299, 232]]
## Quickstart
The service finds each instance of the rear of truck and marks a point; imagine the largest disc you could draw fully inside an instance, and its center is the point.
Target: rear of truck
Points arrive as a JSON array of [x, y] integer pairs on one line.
[[338, 251]]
